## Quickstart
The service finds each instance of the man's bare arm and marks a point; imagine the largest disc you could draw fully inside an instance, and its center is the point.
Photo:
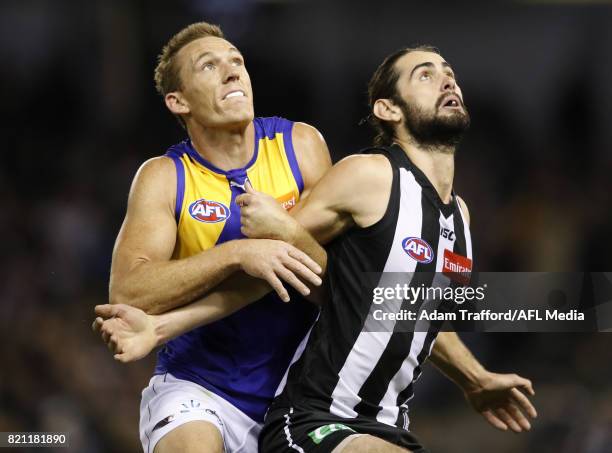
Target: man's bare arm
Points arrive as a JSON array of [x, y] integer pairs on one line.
[[355, 192], [497, 397], [132, 334], [144, 276], [314, 161]]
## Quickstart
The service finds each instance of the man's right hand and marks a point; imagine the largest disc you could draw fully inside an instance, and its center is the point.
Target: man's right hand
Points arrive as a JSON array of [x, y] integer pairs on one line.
[[127, 331], [274, 261]]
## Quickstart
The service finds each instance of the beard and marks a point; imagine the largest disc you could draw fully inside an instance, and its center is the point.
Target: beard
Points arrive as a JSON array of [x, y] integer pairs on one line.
[[432, 130]]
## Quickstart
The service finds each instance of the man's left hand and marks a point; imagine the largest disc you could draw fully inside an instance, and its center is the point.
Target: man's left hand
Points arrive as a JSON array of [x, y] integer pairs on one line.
[[262, 216], [501, 400]]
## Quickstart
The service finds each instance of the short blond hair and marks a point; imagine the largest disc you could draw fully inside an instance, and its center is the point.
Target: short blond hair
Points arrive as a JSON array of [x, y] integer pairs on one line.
[[167, 75]]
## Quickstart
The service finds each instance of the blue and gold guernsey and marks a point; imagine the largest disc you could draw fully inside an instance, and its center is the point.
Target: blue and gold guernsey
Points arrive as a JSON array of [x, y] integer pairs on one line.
[[243, 357]]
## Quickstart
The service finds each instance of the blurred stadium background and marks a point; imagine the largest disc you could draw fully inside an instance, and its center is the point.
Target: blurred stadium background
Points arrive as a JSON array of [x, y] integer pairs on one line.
[[79, 113]]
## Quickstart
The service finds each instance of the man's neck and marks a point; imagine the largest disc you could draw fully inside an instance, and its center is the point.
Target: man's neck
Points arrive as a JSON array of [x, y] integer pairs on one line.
[[438, 164], [224, 148]]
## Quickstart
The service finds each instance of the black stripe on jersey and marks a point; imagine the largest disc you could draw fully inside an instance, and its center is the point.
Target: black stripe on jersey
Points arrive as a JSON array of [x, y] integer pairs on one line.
[[407, 393], [398, 348], [370, 245]]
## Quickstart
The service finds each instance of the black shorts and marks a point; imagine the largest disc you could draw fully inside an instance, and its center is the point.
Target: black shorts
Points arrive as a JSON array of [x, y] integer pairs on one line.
[[292, 429]]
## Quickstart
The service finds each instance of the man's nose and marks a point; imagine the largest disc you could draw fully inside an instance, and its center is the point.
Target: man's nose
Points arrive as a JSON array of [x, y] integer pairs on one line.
[[231, 74], [448, 84]]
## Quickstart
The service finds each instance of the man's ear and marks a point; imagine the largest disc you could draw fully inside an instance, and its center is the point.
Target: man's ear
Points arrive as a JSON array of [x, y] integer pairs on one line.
[[176, 103], [386, 110]]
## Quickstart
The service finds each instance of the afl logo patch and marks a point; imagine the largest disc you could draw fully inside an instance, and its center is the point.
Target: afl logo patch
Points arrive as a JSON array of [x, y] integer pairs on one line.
[[209, 211], [418, 249]]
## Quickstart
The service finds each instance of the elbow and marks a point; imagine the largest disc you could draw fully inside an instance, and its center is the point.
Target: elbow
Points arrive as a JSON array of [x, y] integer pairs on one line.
[[121, 295], [118, 295]]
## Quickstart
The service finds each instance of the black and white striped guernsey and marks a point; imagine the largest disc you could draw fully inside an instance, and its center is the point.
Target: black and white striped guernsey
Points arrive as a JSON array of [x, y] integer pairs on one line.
[[352, 371]]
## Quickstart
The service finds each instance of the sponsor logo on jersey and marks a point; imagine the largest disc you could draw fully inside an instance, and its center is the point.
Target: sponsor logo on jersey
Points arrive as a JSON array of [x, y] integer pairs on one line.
[[321, 433], [209, 211], [287, 201], [418, 249], [457, 267], [447, 234]]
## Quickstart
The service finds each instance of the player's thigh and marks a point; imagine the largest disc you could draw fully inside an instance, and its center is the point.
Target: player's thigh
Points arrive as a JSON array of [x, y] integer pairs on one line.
[[169, 404], [367, 444], [197, 436]]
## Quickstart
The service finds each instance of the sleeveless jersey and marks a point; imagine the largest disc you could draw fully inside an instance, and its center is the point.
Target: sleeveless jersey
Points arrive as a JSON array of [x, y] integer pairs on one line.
[[243, 357], [347, 368]]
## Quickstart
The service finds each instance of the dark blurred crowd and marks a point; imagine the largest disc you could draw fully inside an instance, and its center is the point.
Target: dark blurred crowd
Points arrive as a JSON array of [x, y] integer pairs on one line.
[[79, 114]]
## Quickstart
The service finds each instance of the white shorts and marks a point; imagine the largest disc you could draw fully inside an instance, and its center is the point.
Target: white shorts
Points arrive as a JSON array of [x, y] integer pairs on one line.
[[168, 402]]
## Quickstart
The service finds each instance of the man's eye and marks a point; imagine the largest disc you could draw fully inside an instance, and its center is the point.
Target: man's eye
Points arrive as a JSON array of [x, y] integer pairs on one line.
[[237, 62], [208, 66], [425, 76]]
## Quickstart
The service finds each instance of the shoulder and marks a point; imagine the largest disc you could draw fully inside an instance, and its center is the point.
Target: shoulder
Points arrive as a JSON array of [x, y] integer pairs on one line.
[[308, 140], [158, 171], [464, 209], [156, 167], [370, 167], [361, 185], [361, 174], [155, 180], [303, 132], [311, 152]]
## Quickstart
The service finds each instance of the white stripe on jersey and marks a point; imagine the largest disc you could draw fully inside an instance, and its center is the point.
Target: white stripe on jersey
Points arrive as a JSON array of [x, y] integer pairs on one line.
[[370, 345], [466, 229], [405, 374]]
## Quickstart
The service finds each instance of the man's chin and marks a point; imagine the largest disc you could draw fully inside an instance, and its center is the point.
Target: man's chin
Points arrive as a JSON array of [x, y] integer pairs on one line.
[[237, 118], [445, 112], [457, 119]]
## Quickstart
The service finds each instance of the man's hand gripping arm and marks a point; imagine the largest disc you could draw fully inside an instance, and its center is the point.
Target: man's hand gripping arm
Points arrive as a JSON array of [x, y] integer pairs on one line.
[[143, 274]]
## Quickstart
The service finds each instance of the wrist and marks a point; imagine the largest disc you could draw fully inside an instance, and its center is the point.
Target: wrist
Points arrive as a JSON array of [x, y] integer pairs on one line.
[[233, 253], [289, 232], [160, 329], [473, 379]]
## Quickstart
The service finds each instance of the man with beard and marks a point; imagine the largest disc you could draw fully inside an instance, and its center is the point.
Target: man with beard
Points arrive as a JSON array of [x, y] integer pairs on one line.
[[392, 210], [389, 210]]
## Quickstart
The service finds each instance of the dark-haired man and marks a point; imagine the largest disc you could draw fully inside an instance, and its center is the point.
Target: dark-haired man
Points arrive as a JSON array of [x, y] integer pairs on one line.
[[390, 210]]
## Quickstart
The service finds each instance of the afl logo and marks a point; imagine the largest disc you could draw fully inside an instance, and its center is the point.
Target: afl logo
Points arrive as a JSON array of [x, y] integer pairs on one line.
[[418, 249], [209, 211]]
